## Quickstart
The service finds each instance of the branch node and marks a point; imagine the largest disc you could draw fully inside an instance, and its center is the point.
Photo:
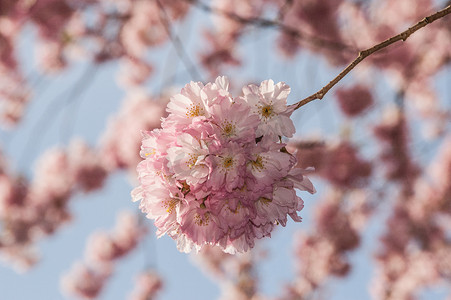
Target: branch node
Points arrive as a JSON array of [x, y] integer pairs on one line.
[[363, 53], [404, 36]]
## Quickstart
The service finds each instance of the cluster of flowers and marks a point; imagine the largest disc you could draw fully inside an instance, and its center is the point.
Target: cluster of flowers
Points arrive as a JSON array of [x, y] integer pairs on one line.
[[417, 239], [148, 285], [336, 30], [393, 135], [67, 31], [339, 162], [217, 172], [122, 135], [235, 273], [323, 253], [33, 209]]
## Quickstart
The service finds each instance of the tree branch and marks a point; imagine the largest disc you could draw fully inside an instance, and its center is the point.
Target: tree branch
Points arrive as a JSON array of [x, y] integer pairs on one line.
[[267, 23], [178, 44], [403, 36]]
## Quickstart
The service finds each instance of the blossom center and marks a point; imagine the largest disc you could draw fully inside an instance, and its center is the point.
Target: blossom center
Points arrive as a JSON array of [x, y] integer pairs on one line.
[[203, 220], [236, 210], [265, 200], [170, 204], [194, 111], [191, 162], [227, 162], [151, 152], [267, 111], [258, 163], [228, 129]]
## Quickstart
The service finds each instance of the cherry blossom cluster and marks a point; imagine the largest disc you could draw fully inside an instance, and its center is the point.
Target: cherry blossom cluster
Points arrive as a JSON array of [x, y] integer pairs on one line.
[[67, 31], [234, 273], [392, 133], [87, 278], [148, 285], [336, 30], [31, 210], [415, 251], [354, 100], [223, 37], [122, 134], [323, 254], [339, 163], [217, 172], [125, 30]]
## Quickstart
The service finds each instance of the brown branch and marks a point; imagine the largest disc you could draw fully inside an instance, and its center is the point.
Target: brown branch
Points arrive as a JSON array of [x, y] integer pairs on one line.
[[403, 36]]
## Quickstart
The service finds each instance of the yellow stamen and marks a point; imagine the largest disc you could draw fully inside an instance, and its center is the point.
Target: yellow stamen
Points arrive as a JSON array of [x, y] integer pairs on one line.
[[192, 161], [170, 205], [229, 129], [258, 164], [265, 200], [267, 111], [236, 210], [202, 220], [152, 152], [194, 111], [227, 163]]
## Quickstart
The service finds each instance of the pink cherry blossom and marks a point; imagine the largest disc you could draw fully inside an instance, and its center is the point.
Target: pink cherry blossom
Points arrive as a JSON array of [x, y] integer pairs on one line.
[[83, 281], [339, 163], [269, 102], [187, 159], [234, 120], [220, 52], [133, 72], [143, 28], [50, 57], [88, 169], [324, 252], [122, 136], [227, 167], [392, 132], [235, 273], [148, 284], [354, 100], [217, 173]]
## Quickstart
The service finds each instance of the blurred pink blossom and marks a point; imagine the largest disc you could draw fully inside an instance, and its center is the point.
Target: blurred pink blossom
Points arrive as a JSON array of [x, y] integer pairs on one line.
[[341, 164], [354, 100], [123, 135], [83, 282], [148, 285], [87, 279]]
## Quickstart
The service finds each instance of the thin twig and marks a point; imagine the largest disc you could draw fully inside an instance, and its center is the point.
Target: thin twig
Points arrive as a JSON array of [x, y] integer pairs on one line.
[[267, 23], [284, 9], [75, 98], [178, 45], [54, 106], [403, 36]]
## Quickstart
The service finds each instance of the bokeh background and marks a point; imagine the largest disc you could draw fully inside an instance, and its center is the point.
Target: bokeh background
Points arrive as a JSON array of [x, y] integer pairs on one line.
[[95, 71]]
